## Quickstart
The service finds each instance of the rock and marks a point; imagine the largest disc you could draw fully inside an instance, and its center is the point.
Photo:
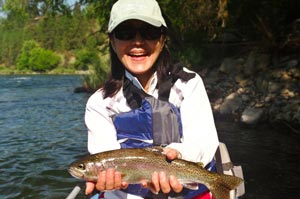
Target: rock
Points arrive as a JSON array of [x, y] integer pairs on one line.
[[251, 89], [230, 66], [262, 84], [286, 93], [286, 76], [292, 63], [274, 87], [246, 98], [231, 104], [256, 62], [249, 68], [263, 61], [269, 98], [251, 115], [294, 72]]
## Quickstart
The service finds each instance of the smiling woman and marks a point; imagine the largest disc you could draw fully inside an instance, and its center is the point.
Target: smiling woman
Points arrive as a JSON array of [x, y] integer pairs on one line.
[[147, 101], [138, 48]]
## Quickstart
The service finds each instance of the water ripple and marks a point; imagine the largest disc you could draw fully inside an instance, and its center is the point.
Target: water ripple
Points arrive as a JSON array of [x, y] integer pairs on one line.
[[41, 131]]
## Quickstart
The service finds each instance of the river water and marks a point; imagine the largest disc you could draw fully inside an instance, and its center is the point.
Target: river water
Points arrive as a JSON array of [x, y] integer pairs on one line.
[[42, 130]]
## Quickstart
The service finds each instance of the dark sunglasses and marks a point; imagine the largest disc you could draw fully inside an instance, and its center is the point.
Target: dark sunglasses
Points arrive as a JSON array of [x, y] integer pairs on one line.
[[147, 32]]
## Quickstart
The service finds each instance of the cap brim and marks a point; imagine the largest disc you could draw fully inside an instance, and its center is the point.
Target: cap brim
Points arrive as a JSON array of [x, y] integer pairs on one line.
[[148, 20]]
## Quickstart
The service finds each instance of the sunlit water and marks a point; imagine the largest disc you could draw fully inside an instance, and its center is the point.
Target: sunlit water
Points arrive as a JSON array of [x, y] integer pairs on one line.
[[42, 130]]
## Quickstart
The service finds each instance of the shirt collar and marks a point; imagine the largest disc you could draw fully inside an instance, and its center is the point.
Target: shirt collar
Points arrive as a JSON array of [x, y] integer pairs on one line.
[[136, 82]]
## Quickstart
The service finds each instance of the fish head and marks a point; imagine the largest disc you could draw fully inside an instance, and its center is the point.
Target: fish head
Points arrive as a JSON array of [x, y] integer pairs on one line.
[[84, 170]]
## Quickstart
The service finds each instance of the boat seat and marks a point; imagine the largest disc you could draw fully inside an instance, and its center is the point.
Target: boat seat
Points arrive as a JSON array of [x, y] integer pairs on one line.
[[225, 166]]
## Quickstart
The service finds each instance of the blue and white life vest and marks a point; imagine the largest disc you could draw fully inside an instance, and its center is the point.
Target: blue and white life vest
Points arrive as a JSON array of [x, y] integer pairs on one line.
[[151, 122]]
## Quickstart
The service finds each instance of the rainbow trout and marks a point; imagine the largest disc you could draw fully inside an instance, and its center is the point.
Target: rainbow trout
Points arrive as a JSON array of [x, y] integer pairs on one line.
[[139, 164]]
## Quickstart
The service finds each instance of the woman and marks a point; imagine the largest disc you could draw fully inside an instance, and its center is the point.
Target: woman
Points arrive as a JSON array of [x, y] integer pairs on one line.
[[140, 58]]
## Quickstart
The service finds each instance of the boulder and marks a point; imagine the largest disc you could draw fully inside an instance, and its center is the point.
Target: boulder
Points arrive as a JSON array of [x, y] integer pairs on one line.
[[251, 115]]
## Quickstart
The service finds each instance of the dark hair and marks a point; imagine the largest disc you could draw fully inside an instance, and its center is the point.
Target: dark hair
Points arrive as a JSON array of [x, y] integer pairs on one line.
[[116, 78]]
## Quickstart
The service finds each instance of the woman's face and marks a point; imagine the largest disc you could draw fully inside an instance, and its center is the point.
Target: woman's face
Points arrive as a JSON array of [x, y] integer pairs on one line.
[[138, 50]]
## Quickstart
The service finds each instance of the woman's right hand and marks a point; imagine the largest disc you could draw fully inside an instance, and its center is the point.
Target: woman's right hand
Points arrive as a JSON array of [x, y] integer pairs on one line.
[[107, 180]]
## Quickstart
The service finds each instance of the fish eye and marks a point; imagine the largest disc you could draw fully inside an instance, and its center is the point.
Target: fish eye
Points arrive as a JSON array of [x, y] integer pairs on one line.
[[81, 166]]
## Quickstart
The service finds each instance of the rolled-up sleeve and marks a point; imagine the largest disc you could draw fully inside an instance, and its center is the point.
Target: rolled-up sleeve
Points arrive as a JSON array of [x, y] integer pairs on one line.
[[200, 139], [101, 131]]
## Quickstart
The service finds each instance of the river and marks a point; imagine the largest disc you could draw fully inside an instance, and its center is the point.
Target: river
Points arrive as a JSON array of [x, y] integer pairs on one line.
[[42, 130]]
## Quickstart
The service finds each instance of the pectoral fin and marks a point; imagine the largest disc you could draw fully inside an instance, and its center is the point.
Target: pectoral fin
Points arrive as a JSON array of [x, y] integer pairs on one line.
[[191, 186]]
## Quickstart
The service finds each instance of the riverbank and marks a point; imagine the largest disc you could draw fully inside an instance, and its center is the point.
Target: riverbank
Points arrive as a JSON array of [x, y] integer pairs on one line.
[[256, 87], [56, 71], [245, 84]]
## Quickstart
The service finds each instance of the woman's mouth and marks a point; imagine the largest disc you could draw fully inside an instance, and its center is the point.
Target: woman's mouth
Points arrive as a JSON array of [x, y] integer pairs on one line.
[[137, 56]]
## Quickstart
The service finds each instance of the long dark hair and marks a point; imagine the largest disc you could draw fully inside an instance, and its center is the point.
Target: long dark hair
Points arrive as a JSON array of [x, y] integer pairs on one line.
[[116, 78]]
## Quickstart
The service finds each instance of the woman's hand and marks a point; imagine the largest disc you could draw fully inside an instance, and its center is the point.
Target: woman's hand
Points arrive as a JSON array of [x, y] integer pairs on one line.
[[160, 182], [107, 180]]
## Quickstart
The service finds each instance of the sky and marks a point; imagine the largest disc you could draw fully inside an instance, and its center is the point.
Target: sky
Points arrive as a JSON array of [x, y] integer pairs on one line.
[[70, 2]]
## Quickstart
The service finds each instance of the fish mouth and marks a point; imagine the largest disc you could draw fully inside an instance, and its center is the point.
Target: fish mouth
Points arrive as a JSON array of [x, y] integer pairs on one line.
[[75, 174]]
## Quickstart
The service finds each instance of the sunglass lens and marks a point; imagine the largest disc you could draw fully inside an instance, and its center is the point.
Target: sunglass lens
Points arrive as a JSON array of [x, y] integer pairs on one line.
[[148, 32], [151, 32], [124, 33]]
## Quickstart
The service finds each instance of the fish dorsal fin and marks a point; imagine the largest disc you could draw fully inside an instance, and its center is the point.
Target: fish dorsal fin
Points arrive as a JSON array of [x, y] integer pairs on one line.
[[155, 149]]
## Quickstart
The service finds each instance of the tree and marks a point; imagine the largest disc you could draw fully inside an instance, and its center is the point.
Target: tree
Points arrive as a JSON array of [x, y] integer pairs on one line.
[[42, 60], [269, 22], [86, 58], [35, 58], [23, 59]]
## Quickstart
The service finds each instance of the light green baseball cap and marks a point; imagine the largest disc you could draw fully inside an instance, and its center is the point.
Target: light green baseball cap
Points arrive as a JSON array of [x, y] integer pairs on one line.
[[144, 10]]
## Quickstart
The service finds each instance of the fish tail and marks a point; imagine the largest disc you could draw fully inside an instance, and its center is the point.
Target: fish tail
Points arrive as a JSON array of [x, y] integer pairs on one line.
[[222, 186]]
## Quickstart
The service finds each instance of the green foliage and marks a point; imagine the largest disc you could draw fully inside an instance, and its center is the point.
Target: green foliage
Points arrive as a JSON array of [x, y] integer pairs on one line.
[[190, 18], [50, 23], [36, 58], [86, 58], [66, 29], [268, 21], [99, 73], [10, 45], [42, 60], [63, 70], [100, 10], [191, 56], [23, 59]]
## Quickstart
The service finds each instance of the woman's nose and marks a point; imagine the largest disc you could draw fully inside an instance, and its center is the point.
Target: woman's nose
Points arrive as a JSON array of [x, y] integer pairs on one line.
[[138, 39]]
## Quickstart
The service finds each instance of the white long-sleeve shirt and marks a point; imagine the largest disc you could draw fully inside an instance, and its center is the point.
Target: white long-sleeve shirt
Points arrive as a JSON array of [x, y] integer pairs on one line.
[[199, 141]]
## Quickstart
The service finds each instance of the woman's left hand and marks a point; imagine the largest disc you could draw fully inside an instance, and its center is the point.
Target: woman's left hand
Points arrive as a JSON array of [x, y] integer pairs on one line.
[[161, 182]]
